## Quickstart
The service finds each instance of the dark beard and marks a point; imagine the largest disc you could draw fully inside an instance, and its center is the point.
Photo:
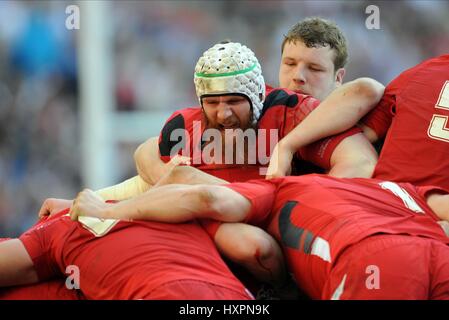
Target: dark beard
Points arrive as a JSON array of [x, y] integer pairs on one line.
[[240, 157], [250, 125]]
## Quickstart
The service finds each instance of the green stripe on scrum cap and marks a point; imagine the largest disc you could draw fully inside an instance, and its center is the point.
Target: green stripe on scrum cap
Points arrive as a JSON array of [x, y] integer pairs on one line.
[[226, 74]]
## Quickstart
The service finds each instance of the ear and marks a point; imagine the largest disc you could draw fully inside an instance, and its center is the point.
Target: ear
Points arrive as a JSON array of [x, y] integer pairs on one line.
[[339, 75]]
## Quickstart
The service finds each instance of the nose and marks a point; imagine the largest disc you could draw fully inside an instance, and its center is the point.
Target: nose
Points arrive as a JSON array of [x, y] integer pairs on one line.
[[299, 76], [224, 112]]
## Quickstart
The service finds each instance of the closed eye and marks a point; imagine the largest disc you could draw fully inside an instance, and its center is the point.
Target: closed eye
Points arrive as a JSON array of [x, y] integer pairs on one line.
[[210, 102], [315, 68], [236, 101]]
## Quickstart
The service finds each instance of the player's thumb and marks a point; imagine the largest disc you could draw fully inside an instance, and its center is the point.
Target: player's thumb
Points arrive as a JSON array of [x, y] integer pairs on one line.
[[43, 211], [73, 213]]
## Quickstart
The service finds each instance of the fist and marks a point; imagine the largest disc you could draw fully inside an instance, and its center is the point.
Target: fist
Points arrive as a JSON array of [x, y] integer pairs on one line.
[[88, 203]]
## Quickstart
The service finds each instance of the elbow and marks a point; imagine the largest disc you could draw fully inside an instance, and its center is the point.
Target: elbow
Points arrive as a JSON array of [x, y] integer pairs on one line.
[[146, 150], [138, 152], [262, 255], [365, 164], [365, 167], [219, 203], [253, 247], [370, 89], [362, 167], [147, 165], [139, 163], [263, 248]]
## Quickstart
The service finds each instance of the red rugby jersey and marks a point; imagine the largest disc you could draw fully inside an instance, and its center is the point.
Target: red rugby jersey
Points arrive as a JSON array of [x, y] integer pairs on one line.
[[315, 217], [415, 111], [283, 110], [126, 260]]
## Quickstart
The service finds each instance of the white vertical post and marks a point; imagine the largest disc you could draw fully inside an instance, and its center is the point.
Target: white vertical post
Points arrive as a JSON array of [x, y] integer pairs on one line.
[[96, 94]]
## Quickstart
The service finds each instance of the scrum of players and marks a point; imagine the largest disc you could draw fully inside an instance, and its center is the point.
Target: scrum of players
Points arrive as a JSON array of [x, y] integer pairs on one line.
[[207, 217]]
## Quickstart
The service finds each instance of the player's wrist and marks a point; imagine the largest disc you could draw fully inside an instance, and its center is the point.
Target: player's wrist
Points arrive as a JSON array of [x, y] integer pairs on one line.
[[287, 146], [107, 211]]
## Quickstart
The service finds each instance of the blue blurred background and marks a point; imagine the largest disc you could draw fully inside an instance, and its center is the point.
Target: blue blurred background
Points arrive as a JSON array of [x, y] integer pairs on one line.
[[151, 51]]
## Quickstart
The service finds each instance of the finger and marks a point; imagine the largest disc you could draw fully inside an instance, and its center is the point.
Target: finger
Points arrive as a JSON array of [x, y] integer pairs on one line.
[[180, 160], [184, 160], [43, 212], [274, 176], [73, 213], [270, 172]]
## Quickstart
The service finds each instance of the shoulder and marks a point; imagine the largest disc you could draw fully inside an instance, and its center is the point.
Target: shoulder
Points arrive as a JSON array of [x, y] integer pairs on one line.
[[440, 60], [185, 115], [283, 98], [182, 119], [175, 128]]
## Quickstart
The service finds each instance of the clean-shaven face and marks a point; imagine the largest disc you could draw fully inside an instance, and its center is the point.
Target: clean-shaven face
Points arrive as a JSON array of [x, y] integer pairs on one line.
[[309, 70]]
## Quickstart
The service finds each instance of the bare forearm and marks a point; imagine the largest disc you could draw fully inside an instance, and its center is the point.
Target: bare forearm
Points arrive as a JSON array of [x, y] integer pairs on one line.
[[16, 266], [179, 203], [341, 110], [171, 203], [189, 175]]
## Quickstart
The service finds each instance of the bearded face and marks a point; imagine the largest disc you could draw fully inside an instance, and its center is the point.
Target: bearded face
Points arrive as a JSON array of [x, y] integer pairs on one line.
[[231, 118]]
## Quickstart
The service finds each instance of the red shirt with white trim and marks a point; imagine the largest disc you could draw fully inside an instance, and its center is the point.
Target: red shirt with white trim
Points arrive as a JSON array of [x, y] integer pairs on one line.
[[413, 117], [316, 217]]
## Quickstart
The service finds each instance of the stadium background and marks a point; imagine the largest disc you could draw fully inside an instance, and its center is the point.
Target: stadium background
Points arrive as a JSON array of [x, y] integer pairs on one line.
[[72, 112]]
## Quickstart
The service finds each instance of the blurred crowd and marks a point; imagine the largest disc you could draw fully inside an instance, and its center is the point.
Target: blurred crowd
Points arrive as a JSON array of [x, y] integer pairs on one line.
[[156, 45]]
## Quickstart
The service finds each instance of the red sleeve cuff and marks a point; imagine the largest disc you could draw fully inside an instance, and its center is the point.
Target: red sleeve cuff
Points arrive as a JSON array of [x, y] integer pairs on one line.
[[37, 245], [261, 194], [211, 226], [320, 152]]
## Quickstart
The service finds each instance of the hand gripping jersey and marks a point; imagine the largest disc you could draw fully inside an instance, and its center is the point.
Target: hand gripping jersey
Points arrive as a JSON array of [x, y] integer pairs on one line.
[[413, 117]]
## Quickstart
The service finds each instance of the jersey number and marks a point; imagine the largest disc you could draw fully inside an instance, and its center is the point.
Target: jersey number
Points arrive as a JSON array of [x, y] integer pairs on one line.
[[399, 192], [438, 128]]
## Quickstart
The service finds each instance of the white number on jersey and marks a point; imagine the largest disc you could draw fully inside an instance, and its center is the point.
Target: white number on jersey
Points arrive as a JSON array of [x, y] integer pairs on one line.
[[438, 128], [409, 202]]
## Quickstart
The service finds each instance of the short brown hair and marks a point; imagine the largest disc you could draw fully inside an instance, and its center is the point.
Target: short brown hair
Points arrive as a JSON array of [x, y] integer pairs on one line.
[[316, 32]]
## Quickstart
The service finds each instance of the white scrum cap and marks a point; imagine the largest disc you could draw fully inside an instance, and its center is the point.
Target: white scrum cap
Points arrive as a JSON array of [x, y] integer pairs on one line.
[[228, 68]]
